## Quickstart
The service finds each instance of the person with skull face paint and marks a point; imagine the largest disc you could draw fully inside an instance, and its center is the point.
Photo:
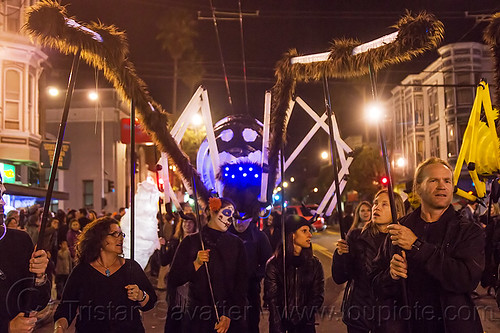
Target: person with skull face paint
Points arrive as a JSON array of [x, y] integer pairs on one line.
[[225, 258], [258, 251]]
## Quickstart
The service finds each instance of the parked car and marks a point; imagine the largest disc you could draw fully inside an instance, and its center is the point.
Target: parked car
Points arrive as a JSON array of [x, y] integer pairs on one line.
[[308, 212]]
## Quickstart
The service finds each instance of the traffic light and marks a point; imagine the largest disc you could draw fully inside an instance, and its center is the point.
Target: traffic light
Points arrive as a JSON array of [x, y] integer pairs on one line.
[[111, 186], [384, 181]]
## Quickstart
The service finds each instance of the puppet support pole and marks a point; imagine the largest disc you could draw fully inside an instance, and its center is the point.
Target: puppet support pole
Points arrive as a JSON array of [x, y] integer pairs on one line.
[[197, 209], [132, 179], [55, 160], [390, 191], [333, 155]]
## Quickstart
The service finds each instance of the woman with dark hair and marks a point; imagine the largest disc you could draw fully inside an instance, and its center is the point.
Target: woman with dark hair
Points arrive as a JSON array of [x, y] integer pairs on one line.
[[272, 229], [352, 262], [107, 290], [92, 215], [177, 295], [186, 226], [225, 258], [304, 281], [362, 215]]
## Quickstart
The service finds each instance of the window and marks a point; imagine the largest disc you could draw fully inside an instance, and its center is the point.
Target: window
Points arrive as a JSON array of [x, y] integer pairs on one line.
[[12, 98], [449, 92], [408, 108], [420, 150], [31, 104], [461, 132], [419, 110], [462, 51], [13, 17], [88, 193], [434, 143], [433, 105], [464, 94], [452, 144]]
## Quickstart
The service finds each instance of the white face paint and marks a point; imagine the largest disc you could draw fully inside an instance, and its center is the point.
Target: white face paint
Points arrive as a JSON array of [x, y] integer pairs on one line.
[[241, 225], [224, 218]]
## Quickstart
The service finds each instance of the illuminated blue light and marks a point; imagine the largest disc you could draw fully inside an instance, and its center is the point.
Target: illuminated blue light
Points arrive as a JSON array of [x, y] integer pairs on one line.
[[276, 197], [241, 175]]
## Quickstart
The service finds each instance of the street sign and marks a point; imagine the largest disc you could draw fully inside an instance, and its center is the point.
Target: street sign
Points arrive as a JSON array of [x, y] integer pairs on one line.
[[47, 149]]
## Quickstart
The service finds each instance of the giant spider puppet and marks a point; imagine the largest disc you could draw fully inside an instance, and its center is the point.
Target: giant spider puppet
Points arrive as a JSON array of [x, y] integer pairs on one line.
[[105, 48]]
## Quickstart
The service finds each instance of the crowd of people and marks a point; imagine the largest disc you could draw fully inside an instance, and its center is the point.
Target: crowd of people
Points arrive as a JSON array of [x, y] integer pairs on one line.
[[417, 272]]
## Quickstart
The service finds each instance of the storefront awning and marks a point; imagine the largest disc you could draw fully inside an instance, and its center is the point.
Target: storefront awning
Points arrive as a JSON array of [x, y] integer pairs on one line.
[[14, 189]]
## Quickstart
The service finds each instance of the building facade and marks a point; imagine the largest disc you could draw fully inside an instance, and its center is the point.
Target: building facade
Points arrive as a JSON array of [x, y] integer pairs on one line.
[[20, 135], [98, 174], [430, 110]]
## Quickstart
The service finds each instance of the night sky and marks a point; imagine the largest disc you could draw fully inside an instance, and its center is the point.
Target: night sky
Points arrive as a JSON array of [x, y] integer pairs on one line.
[[308, 26]]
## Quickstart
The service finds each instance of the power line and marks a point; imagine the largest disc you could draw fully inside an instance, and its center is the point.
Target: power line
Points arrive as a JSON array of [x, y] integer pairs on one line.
[[243, 55], [221, 55]]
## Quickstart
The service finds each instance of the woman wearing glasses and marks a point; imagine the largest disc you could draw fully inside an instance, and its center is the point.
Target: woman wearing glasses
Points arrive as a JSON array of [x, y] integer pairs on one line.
[[107, 290]]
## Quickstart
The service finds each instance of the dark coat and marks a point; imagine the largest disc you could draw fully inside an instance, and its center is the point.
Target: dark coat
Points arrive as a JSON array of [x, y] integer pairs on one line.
[[227, 268], [456, 265], [257, 249], [258, 252], [15, 279], [355, 267], [305, 288]]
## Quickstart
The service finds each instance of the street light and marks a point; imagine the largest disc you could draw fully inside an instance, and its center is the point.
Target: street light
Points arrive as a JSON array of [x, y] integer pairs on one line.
[[53, 91], [285, 184], [374, 112], [93, 96], [315, 190], [401, 162], [324, 155], [292, 179], [196, 120]]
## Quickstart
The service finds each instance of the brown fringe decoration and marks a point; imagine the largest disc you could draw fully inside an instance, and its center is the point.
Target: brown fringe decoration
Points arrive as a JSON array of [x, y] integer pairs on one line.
[[417, 34], [491, 36], [46, 24]]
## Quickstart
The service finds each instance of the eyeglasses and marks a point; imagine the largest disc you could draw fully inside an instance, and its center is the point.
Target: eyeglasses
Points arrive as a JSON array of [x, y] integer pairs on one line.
[[117, 234]]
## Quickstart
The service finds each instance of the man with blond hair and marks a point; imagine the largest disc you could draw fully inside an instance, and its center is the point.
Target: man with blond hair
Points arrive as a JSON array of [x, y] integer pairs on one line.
[[441, 259]]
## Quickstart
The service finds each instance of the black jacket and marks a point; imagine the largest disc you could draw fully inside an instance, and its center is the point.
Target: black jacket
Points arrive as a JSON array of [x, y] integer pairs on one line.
[[355, 267], [227, 268], [455, 265], [257, 249], [15, 279], [305, 289]]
